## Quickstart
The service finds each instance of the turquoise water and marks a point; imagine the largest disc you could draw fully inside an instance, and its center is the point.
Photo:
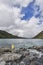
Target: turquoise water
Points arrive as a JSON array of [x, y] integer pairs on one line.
[[21, 42]]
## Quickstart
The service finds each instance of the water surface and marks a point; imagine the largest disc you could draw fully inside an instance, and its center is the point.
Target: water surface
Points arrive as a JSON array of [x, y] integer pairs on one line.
[[21, 42]]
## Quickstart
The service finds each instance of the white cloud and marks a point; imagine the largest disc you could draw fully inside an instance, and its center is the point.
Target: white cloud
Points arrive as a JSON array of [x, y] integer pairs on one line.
[[17, 32], [11, 3], [23, 3], [3, 28], [5, 15], [31, 28], [40, 3]]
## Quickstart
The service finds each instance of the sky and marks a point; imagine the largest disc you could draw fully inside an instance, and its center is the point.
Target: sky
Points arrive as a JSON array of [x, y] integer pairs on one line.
[[21, 17]]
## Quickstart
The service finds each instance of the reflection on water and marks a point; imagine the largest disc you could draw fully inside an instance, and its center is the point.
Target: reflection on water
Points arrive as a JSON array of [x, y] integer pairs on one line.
[[21, 42]]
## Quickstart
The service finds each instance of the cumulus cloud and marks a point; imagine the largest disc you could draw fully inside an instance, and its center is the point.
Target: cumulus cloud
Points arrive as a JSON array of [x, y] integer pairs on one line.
[[23, 3], [10, 18], [40, 3], [5, 15], [11, 3]]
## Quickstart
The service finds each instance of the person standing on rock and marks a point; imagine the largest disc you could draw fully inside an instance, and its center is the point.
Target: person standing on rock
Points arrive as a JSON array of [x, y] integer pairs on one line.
[[12, 47]]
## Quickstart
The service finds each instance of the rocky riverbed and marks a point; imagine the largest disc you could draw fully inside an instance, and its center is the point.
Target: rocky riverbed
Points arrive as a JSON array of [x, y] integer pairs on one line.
[[22, 56]]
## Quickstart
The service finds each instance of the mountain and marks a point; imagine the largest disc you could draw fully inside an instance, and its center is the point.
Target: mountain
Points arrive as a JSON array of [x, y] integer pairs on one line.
[[39, 36], [4, 34]]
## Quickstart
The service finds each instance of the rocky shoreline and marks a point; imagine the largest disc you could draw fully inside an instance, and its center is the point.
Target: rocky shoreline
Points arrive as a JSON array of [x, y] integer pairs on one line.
[[22, 56]]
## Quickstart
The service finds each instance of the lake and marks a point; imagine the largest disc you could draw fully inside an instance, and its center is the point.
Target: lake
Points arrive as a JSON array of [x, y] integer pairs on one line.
[[25, 43]]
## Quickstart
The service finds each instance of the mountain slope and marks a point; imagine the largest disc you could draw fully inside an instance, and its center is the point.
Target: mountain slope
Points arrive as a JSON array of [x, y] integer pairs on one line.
[[39, 36], [4, 34]]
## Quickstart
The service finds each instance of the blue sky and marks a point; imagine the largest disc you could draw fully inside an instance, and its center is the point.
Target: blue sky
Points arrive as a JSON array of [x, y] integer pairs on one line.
[[29, 11], [19, 17]]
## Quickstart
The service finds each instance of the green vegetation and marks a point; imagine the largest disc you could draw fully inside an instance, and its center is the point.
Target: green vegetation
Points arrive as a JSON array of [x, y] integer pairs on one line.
[[39, 36]]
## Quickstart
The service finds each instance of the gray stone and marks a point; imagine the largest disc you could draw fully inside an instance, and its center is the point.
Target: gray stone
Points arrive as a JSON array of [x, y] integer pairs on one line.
[[11, 63], [2, 63], [11, 56], [35, 63], [26, 60], [24, 53], [22, 63]]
